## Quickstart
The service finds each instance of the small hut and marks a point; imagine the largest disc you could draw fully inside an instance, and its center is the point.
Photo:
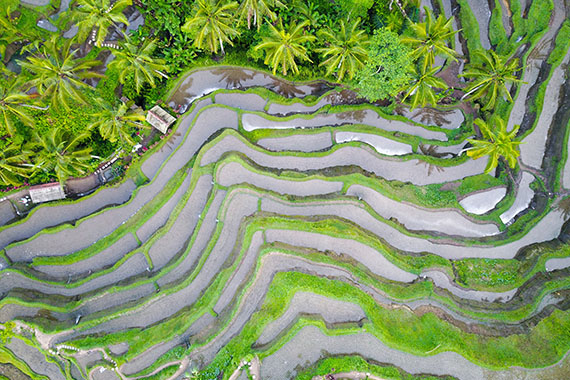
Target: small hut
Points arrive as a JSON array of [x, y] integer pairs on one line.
[[47, 192], [159, 118]]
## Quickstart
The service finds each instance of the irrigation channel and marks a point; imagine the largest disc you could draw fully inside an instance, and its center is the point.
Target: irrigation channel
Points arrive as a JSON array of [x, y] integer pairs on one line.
[[283, 226]]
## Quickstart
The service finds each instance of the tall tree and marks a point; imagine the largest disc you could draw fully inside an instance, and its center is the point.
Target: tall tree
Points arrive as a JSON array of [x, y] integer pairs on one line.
[[490, 75], [137, 61], [14, 165], [257, 9], [387, 69], [114, 122], [57, 75], [283, 46], [12, 105], [498, 143], [212, 24], [59, 152], [97, 16], [430, 39], [346, 49], [422, 92]]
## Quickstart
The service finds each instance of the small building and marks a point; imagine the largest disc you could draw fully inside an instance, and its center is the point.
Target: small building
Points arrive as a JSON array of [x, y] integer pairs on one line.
[[47, 192], [159, 118]]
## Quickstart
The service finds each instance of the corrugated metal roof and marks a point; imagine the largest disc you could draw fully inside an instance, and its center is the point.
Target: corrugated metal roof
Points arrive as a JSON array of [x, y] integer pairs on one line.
[[47, 192], [159, 118]]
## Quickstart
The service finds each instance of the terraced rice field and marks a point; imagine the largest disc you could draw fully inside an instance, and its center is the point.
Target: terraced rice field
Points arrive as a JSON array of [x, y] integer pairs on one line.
[[288, 230]]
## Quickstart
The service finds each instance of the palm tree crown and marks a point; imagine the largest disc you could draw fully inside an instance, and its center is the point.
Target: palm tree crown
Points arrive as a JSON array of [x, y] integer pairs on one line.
[[490, 77], [13, 165], [114, 123], [58, 152], [138, 61], [257, 9], [57, 74], [211, 25], [422, 92], [346, 49], [430, 38], [499, 143], [11, 105], [283, 46], [97, 16]]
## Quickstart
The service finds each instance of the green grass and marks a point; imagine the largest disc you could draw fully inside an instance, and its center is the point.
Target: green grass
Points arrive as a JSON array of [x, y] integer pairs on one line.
[[469, 28], [6, 356], [343, 364], [404, 330], [561, 44], [497, 34]]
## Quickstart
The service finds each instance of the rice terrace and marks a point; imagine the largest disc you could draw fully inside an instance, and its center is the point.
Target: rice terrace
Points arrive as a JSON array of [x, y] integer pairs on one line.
[[271, 190]]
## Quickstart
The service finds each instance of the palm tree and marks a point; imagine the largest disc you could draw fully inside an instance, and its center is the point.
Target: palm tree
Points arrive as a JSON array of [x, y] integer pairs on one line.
[[58, 152], [12, 101], [499, 143], [114, 123], [257, 9], [346, 49], [430, 39], [137, 60], [283, 46], [13, 165], [212, 24], [57, 74], [96, 16], [422, 91], [490, 77]]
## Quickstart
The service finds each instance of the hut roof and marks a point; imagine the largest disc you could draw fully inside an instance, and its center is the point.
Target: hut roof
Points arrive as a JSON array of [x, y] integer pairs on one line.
[[159, 118], [47, 192]]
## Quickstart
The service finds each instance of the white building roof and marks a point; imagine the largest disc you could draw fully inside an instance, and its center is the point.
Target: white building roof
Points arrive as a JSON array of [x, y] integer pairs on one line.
[[159, 118], [47, 192]]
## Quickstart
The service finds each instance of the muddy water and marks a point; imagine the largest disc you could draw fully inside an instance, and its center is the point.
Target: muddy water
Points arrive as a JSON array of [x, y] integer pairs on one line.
[[202, 82]]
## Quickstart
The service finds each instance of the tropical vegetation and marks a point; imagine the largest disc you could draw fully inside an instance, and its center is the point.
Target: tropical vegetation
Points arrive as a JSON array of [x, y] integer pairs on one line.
[[490, 76], [498, 143]]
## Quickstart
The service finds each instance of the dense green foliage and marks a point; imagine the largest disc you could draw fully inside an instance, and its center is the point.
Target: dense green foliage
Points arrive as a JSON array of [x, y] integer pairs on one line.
[[387, 69]]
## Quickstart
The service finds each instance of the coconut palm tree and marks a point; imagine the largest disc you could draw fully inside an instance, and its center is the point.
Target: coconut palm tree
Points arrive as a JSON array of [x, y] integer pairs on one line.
[[212, 24], [12, 101], [498, 143], [490, 74], [257, 9], [14, 166], [346, 49], [97, 16], [283, 46], [422, 92], [114, 122], [137, 60], [430, 39], [57, 75], [58, 151]]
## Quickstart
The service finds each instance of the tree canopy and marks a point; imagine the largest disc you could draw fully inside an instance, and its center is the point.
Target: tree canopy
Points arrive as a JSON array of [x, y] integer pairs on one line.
[[387, 69]]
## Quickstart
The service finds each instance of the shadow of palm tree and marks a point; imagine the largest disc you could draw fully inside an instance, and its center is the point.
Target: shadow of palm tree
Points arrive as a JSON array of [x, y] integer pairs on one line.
[[356, 115], [431, 167], [343, 97], [431, 150], [170, 141], [564, 206], [285, 89], [432, 116], [233, 77]]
